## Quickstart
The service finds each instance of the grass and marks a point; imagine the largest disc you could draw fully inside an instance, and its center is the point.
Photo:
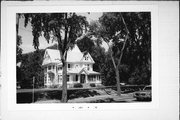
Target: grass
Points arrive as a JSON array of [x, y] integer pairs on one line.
[[26, 97], [49, 94]]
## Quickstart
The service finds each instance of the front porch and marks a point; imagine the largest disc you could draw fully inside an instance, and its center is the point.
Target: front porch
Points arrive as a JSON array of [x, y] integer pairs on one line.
[[73, 79], [83, 77]]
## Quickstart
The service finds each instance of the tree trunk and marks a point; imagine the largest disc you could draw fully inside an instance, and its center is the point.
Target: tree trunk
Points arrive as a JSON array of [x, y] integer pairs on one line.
[[116, 71], [17, 24], [64, 85], [118, 82]]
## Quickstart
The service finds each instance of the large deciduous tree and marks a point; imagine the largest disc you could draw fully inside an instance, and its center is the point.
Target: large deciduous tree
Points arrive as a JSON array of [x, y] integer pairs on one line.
[[128, 36], [114, 29], [65, 28]]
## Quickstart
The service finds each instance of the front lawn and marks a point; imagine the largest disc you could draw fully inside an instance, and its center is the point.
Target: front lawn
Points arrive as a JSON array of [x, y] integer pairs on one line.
[[42, 95], [94, 94]]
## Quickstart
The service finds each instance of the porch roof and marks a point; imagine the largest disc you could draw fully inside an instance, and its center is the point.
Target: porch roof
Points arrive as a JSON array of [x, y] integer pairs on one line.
[[82, 71]]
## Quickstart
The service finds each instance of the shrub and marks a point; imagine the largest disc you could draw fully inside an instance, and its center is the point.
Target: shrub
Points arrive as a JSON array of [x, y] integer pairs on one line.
[[92, 85], [78, 85], [54, 86]]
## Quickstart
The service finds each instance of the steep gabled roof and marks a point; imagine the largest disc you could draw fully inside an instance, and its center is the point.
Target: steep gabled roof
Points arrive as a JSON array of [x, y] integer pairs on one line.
[[90, 59], [73, 55], [54, 55], [51, 56]]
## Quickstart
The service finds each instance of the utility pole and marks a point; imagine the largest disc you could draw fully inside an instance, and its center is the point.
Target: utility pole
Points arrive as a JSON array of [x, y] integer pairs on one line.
[[33, 90]]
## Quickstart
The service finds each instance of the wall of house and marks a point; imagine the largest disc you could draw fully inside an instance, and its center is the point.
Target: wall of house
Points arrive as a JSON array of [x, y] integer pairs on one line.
[[57, 70], [50, 68], [80, 66]]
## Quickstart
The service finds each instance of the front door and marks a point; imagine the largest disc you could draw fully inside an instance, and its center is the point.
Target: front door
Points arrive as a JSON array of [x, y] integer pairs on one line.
[[51, 77], [82, 80]]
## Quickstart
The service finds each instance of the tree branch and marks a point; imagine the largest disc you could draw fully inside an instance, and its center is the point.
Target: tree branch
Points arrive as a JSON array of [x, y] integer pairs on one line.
[[83, 36], [124, 24], [112, 58], [127, 35]]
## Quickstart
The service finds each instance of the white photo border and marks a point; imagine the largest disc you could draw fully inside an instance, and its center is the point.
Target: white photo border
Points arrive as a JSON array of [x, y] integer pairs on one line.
[[10, 54]]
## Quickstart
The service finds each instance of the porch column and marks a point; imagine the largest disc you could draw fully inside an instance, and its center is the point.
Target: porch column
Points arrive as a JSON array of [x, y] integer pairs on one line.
[[47, 78], [70, 78], [86, 78], [47, 75], [96, 79], [78, 78]]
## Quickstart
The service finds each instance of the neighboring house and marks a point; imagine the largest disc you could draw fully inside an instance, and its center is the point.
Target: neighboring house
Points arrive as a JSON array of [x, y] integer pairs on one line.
[[79, 68]]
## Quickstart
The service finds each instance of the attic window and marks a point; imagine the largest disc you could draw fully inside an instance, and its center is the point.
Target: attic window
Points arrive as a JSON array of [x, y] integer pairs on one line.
[[86, 57]]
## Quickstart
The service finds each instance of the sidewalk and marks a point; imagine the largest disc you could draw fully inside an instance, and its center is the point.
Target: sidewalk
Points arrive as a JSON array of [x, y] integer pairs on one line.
[[95, 99], [102, 98]]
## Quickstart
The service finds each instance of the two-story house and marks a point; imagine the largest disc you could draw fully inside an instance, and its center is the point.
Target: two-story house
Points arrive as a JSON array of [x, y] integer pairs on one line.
[[79, 68]]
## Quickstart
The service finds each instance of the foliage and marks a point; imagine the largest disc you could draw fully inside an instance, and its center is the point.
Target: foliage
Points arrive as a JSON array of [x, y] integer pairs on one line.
[[138, 50], [53, 25], [65, 28], [96, 51], [78, 85], [135, 67], [140, 76], [99, 56], [18, 49], [86, 44], [18, 52], [114, 29], [31, 67], [139, 46], [92, 85], [107, 72], [136, 60]]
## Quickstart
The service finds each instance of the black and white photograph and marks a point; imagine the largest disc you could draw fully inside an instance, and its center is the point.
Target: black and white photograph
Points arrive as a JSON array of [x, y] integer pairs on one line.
[[97, 60], [90, 57]]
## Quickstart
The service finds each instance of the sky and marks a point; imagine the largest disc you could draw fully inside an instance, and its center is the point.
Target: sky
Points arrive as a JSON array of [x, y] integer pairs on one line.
[[27, 38]]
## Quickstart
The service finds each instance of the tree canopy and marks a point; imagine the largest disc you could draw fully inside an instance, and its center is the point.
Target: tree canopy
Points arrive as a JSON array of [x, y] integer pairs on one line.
[[65, 28], [137, 51]]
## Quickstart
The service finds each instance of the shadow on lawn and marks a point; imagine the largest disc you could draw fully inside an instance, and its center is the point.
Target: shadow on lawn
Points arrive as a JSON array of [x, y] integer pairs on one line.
[[50, 95]]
